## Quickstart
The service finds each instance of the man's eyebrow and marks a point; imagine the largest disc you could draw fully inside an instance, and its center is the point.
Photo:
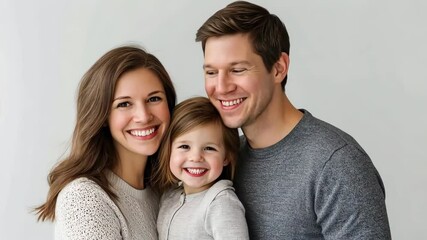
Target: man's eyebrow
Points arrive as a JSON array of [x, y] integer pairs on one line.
[[230, 65]]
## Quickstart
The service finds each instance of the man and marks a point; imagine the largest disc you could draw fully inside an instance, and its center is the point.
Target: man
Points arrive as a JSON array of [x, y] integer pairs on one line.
[[298, 177]]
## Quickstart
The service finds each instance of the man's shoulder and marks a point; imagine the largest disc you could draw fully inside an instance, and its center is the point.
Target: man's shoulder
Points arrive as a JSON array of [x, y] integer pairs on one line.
[[323, 134]]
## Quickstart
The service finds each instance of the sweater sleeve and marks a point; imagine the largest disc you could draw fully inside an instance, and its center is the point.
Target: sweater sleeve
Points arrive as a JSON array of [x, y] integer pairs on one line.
[[225, 217], [84, 211], [350, 198]]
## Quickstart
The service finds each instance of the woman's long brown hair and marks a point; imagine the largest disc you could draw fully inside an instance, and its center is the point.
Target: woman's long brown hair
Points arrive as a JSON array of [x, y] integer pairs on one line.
[[92, 149]]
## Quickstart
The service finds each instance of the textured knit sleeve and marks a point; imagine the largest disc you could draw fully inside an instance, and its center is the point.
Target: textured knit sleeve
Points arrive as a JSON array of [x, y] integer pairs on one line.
[[225, 218], [350, 198], [84, 211]]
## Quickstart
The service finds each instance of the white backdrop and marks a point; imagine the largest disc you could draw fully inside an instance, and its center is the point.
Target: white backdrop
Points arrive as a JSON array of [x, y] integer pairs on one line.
[[360, 65]]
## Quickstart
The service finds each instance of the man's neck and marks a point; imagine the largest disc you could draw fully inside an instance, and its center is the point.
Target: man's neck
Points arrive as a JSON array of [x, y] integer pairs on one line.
[[274, 124]]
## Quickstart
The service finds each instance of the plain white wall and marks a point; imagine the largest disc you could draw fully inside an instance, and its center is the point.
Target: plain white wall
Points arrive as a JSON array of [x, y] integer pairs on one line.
[[360, 65]]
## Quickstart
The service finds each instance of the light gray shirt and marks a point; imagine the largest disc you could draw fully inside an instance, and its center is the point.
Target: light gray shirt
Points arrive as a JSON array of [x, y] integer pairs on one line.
[[215, 213]]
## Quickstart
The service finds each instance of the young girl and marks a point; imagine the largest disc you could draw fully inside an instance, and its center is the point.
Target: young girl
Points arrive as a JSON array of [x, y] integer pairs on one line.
[[200, 152], [102, 189]]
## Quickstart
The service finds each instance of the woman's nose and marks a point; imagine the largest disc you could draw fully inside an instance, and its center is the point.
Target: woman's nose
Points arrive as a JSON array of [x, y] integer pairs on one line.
[[143, 114]]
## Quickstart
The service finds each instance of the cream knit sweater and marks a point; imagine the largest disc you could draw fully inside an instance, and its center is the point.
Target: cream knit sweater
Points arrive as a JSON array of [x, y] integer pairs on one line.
[[84, 211]]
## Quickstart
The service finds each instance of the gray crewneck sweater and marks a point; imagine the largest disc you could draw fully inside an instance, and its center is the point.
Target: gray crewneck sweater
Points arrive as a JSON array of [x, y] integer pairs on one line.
[[316, 183]]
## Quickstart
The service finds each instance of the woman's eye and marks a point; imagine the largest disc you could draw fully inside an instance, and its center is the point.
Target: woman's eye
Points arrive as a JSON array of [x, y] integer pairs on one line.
[[123, 104], [154, 99]]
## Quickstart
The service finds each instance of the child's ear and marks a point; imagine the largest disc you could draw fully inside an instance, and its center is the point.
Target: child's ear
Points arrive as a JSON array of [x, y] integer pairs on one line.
[[226, 162]]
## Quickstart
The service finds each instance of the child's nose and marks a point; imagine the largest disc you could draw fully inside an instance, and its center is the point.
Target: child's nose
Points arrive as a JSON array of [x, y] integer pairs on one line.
[[196, 156]]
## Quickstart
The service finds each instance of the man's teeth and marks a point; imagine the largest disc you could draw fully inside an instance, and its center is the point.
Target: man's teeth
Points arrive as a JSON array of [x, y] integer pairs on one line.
[[142, 133], [232, 103], [196, 170]]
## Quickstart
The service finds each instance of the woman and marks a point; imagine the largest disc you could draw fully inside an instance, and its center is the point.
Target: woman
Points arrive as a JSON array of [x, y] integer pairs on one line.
[[102, 189]]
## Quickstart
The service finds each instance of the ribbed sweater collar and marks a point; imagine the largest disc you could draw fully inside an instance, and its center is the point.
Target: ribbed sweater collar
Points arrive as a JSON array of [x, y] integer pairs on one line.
[[123, 187]]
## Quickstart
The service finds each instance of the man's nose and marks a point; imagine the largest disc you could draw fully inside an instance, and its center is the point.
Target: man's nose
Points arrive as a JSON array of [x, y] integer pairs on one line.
[[224, 83]]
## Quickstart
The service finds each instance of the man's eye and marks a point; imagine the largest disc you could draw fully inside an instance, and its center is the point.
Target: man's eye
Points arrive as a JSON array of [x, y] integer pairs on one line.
[[184, 146], [123, 104], [210, 72], [154, 99], [238, 70]]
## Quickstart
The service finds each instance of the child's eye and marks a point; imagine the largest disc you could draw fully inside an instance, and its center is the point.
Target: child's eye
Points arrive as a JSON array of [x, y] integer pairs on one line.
[[154, 99], [210, 148], [184, 146], [123, 104]]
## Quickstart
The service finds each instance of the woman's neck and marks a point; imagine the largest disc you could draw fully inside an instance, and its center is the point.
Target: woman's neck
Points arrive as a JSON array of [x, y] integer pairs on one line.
[[131, 170]]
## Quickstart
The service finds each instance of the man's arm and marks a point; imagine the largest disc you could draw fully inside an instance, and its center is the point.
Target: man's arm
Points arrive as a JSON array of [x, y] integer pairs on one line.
[[350, 197]]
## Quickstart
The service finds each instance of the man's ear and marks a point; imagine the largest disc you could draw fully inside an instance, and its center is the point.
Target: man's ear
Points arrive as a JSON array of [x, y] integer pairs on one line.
[[281, 67]]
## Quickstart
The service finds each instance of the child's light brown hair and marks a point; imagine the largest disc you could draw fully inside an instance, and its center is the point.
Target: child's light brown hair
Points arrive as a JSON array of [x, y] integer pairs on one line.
[[187, 115]]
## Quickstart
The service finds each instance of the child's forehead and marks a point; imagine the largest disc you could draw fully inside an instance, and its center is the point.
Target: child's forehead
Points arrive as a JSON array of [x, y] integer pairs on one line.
[[207, 130]]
